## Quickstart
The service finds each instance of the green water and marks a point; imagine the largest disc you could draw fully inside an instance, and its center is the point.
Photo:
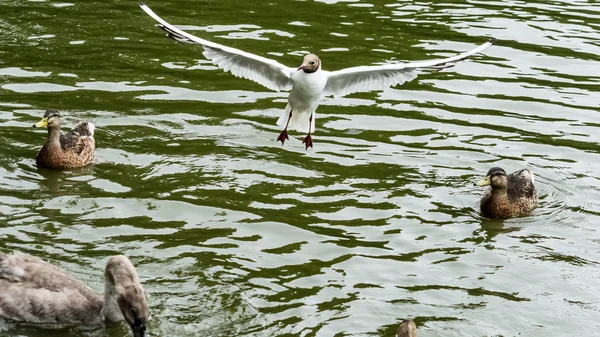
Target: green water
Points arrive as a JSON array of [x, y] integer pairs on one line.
[[235, 235]]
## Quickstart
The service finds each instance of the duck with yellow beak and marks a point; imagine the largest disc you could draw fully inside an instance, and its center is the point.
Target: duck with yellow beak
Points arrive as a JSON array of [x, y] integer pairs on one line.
[[64, 151], [510, 195]]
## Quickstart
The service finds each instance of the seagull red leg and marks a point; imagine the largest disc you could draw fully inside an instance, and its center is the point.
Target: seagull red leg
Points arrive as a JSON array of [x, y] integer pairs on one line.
[[308, 139], [284, 134]]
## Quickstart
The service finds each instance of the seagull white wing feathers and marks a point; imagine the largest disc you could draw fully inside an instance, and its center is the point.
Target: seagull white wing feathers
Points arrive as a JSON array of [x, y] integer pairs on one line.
[[308, 86], [277, 76], [367, 78], [267, 72]]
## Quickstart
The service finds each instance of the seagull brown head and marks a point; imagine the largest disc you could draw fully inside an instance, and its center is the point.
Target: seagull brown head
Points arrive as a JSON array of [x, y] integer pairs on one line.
[[311, 63]]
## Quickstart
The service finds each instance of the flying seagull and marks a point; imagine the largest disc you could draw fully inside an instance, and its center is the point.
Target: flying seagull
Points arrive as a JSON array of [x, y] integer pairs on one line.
[[309, 82]]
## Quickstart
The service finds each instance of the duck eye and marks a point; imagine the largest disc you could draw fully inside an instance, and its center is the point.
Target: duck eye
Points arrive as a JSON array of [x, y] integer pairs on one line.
[[133, 313]]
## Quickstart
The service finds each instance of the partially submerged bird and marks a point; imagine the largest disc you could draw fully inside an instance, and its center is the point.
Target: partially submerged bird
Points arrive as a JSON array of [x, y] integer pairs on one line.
[[63, 151], [408, 328], [510, 195], [309, 82], [34, 291]]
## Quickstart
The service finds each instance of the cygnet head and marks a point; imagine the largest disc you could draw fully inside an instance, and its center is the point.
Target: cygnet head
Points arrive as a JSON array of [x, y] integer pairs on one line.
[[129, 293], [310, 64]]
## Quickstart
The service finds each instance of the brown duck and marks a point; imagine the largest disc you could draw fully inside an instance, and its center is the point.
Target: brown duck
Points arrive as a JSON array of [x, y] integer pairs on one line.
[[64, 151], [510, 195]]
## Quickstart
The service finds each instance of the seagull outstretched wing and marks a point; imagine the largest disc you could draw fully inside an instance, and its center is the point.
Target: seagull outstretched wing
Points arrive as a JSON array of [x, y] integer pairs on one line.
[[267, 72], [367, 78]]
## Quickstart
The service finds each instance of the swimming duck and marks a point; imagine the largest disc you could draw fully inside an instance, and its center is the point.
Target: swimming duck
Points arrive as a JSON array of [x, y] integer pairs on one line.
[[408, 328], [34, 291], [63, 151], [510, 195]]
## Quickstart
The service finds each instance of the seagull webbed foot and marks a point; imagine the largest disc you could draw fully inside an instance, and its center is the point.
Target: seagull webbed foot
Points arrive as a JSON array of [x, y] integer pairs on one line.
[[283, 136], [308, 141]]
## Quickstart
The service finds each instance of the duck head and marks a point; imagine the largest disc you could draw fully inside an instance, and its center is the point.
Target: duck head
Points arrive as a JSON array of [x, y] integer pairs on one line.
[[408, 328], [496, 177], [51, 120]]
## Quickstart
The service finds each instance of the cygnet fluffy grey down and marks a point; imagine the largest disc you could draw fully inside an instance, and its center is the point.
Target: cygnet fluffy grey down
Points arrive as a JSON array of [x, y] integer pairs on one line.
[[34, 291]]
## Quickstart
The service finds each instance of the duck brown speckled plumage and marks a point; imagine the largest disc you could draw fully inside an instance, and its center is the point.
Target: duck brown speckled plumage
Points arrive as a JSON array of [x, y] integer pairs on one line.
[[35, 291], [510, 195], [64, 151]]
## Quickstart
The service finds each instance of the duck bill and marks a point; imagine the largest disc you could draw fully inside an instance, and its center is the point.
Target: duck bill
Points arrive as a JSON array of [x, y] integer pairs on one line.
[[41, 124], [486, 181], [138, 330]]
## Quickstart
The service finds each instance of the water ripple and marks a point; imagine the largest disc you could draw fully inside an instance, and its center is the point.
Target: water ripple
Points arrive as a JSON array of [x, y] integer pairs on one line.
[[234, 234]]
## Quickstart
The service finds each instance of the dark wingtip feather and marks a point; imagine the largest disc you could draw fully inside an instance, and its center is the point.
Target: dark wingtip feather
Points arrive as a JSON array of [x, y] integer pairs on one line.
[[174, 35]]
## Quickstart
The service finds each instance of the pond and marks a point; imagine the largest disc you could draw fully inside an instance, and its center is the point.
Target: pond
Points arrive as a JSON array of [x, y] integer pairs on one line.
[[234, 234]]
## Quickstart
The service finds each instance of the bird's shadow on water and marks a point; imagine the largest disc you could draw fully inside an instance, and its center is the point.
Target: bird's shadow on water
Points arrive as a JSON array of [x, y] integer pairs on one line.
[[493, 227], [64, 181], [489, 228]]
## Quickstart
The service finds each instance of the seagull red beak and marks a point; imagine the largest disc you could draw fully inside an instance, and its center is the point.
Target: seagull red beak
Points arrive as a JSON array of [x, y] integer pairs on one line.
[[301, 67]]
